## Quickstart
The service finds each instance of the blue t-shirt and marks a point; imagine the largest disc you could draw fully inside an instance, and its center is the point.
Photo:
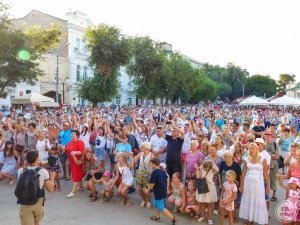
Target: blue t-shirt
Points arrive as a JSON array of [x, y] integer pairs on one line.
[[159, 179], [286, 143], [125, 148], [65, 137]]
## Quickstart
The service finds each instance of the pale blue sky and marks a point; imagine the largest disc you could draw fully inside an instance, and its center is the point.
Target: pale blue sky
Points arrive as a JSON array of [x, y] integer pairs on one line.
[[262, 36]]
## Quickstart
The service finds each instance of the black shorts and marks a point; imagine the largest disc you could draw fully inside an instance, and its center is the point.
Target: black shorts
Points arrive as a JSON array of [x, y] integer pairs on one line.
[[63, 157], [97, 176]]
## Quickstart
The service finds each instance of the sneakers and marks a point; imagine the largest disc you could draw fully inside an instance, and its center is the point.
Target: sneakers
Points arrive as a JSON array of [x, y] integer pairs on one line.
[[71, 195], [143, 203], [148, 205], [216, 212]]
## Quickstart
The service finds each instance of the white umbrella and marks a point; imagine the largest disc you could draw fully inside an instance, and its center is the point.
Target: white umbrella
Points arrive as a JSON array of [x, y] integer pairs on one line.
[[253, 100]]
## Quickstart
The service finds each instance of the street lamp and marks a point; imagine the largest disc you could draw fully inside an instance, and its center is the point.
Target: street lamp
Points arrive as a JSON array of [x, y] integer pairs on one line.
[[243, 86], [56, 78]]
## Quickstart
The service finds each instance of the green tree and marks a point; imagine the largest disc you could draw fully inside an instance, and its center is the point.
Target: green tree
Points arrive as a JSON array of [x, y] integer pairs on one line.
[[223, 90], [110, 50], [90, 90], [147, 68], [20, 51], [284, 80], [260, 85]]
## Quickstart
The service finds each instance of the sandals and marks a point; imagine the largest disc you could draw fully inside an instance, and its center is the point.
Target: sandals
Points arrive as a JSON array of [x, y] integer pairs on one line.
[[174, 220], [93, 199], [200, 219], [91, 195], [210, 222], [153, 218], [235, 220], [273, 199]]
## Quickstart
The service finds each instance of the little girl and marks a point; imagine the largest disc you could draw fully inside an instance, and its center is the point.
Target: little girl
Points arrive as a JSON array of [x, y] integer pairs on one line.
[[192, 207], [54, 166], [178, 196], [123, 170], [291, 204], [108, 183], [207, 170], [228, 196]]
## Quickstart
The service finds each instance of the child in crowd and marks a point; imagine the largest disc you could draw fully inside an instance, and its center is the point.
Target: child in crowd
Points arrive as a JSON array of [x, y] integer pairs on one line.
[[178, 196], [192, 207], [291, 204], [228, 196], [54, 166], [108, 183], [206, 200], [123, 170], [158, 183]]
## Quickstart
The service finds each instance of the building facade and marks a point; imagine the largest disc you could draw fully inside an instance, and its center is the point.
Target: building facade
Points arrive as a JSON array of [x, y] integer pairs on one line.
[[293, 90]]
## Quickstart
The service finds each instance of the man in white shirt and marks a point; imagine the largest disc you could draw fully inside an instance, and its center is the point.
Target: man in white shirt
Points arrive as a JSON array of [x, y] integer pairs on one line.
[[159, 144], [33, 214]]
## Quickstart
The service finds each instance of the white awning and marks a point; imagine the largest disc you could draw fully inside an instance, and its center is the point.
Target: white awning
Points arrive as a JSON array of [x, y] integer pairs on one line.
[[48, 104], [31, 98], [253, 100]]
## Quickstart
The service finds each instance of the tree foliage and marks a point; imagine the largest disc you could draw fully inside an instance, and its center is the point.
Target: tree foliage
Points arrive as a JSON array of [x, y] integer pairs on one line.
[[284, 80], [13, 69], [109, 49], [260, 85], [90, 88]]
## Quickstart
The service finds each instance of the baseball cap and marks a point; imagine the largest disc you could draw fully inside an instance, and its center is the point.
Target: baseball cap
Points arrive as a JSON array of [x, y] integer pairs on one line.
[[163, 165], [107, 174], [66, 123], [259, 140], [269, 134]]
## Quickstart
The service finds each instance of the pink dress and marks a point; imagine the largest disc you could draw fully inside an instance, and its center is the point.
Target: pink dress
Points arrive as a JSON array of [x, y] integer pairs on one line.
[[228, 191], [190, 160], [291, 206], [191, 200]]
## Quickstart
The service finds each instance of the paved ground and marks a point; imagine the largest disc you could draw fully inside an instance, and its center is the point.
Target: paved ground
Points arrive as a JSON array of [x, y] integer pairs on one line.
[[79, 211]]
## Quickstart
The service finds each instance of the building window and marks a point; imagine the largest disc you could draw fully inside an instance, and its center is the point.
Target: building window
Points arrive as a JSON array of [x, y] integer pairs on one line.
[[28, 92], [84, 72], [77, 47], [130, 101], [78, 73], [118, 99]]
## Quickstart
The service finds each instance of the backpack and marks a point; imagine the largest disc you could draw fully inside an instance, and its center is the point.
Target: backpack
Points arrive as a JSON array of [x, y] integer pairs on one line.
[[136, 147], [281, 159], [28, 190]]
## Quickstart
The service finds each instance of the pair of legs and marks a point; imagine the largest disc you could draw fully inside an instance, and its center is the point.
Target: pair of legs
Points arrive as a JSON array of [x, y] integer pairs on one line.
[[8, 176], [203, 207], [193, 211], [63, 160], [176, 202], [161, 208], [122, 191], [56, 179], [145, 197], [107, 194], [90, 186], [223, 212]]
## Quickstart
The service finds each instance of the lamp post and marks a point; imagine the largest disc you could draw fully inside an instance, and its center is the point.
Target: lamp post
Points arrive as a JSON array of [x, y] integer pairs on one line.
[[243, 86], [56, 78], [63, 84]]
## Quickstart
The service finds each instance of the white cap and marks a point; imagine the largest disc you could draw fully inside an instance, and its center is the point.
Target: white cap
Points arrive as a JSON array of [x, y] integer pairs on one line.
[[163, 165], [259, 140]]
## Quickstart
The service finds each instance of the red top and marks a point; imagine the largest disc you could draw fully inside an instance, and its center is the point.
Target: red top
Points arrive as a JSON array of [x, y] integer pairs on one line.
[[76, 170]]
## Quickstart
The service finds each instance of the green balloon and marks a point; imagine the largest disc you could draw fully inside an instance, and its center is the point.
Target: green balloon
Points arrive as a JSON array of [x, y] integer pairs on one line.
[[24, 55]]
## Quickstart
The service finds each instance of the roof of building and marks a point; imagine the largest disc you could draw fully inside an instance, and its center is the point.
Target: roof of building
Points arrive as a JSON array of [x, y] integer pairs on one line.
[[36, 11]]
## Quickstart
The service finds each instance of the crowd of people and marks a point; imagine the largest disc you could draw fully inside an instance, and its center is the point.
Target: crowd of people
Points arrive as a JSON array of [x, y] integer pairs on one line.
[[206, 161]]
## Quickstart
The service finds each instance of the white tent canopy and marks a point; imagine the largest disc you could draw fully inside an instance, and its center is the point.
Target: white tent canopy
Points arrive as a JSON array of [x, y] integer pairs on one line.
[[31, 98], [285, 100], [253, 100]]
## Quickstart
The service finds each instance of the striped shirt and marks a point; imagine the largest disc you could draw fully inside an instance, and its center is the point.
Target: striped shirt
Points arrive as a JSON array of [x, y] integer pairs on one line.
[[89, 166]]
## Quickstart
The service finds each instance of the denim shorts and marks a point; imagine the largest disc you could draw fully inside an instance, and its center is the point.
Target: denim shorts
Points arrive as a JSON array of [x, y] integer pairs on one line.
[[159, 204], [100, 153]]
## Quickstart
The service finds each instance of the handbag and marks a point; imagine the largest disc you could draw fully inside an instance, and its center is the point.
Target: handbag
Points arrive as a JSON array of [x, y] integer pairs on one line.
[[202, 185]]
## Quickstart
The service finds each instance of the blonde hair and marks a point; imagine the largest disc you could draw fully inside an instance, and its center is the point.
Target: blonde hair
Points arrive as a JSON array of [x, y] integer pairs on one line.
[[228, 153], [207, 165], [256, 157], [233, 173], [195, 143], [146, 145], [206, 143], [123, 156]]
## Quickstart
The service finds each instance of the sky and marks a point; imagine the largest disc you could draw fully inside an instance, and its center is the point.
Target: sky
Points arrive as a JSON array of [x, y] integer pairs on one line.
[[262, 36]]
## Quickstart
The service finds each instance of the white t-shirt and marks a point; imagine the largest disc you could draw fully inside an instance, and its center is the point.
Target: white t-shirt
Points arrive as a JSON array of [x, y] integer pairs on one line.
[[158, 143], [85, 138], [44, 174], [265, 156], [186, 146], [41, 148], [102, 142]]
